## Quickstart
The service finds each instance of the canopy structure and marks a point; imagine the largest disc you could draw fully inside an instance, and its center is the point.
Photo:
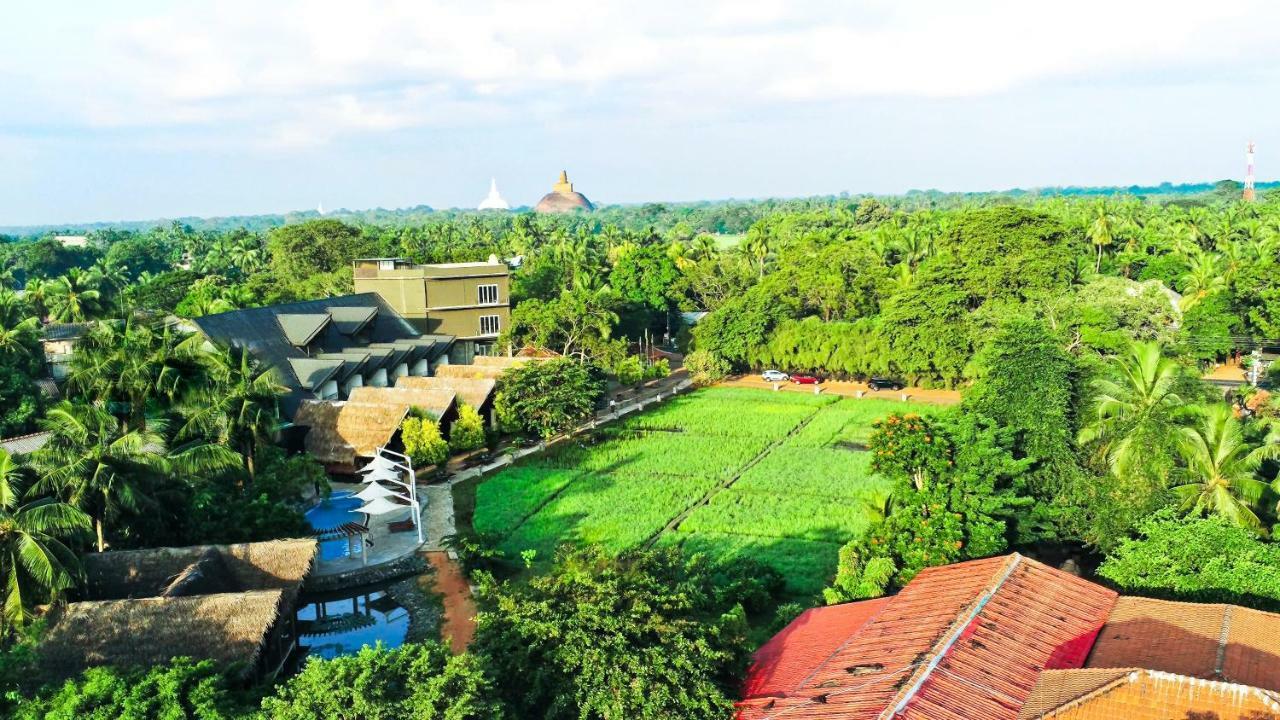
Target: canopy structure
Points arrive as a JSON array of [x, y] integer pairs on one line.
[[373, 492], [379, 462], [380, 506], [383, 476]]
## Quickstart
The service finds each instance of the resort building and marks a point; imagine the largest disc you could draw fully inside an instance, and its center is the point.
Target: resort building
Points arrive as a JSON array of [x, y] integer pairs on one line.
[[1008, 638], [324, 349], [469, 301], [233, 604], [563, 198]]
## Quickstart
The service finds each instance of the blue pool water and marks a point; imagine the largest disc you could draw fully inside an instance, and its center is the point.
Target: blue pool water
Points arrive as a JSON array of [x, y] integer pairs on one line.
[[339, 508], [343, 622]]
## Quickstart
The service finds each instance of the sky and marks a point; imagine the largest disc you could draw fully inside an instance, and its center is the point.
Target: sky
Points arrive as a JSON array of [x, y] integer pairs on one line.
[[137, 109]]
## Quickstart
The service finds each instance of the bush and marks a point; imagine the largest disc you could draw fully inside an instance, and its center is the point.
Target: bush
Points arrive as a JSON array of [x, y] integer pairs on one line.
[[629, 371], [706, 368], [468, 430], [1198, 560], [547, 398], [181, 689], [658, 369], [422, 441], [413, 681]]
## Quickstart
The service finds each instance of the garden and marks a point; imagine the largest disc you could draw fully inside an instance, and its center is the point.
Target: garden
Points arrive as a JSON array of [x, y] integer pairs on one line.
[[730, 472]]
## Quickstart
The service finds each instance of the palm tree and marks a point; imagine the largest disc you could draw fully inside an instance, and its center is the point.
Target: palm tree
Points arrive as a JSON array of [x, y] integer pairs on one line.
[[1134, 410], [238, 405], [36, 293], [704, 246], [1223, 468], [74, 297], [34, 562], [757, 248], [1101, 231], [92, 462], [1204, 277]]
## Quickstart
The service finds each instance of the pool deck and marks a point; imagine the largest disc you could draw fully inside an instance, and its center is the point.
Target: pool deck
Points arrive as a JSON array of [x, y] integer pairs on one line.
[[387, 546]]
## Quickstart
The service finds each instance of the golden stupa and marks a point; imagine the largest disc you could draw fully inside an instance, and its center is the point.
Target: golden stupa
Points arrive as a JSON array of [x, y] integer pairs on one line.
[[562, 198]]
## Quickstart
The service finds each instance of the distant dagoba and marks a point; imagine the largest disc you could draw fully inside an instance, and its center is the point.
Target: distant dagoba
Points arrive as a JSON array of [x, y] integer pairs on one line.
[[562, 198], [494, 201]]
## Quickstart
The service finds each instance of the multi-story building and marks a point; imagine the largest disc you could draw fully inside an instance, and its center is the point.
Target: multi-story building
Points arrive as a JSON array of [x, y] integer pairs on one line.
[[470, 301]]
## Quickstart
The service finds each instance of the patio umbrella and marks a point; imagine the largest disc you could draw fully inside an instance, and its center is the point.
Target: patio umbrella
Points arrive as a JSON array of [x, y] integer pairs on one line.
[[373, 492], [380, 506]]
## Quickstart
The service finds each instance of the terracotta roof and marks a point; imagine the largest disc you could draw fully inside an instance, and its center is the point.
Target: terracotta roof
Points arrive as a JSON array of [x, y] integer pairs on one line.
[[783, 663], [1139, 694], [1216, 642], [959, 642]]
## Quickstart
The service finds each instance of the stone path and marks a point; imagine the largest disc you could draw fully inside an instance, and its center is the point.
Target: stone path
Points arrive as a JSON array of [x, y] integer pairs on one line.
[[438, 516]]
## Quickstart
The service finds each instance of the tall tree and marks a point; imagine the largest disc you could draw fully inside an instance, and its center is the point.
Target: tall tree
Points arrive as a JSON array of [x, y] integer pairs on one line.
[[237, 404], [1222, 468], [35, 564]]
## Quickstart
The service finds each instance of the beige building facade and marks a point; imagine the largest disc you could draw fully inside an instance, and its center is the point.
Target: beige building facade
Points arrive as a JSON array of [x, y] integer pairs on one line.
[[470, 301]]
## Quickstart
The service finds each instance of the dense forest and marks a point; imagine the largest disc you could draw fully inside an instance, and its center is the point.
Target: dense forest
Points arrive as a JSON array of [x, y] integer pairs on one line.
[[1077, 326]]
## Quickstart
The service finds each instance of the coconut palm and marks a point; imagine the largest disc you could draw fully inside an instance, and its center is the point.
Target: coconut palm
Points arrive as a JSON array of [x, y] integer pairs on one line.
[[704, 246], [1134, 410], [35, 565], [1223, 468], [238, 404], [1204, 277], [92, 462], [74, 297], [36, 293], [756, 246], [1101, 231]]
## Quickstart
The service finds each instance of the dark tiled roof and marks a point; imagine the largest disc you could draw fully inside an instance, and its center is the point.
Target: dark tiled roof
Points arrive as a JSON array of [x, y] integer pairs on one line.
[[25, 444], [65, 331], [49, 388], [961, 641], [260, 331]]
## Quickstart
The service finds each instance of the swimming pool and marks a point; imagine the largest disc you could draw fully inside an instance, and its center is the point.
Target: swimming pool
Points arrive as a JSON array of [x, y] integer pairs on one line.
[[338, 508], [342, 622]]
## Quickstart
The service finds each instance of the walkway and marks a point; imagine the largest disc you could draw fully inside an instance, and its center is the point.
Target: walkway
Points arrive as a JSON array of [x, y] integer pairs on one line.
[[459, 623], [850, 389]]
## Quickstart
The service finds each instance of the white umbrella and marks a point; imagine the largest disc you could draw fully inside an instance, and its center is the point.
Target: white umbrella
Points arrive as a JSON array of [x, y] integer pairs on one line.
[[381, 474], [380, 506], [373, 492], [378, 462]]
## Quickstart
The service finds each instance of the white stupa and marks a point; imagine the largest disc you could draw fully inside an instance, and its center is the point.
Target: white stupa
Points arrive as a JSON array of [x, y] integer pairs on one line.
[[494, 201]]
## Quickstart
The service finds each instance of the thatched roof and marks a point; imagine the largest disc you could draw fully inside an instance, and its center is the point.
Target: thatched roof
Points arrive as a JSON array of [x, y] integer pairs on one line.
[[502, 361], [434, 400], [273, 565], [211, 601], [226, 627], [342, 431], [472, 391], [479, 372]]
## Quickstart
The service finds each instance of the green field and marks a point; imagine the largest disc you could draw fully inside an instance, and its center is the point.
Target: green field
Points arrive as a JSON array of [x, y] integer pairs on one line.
[[777, 477]]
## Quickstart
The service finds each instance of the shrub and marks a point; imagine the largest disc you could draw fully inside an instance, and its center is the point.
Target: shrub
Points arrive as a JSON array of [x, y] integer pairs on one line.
[[658, 369], [181, 689], [468, 430], [422, 441], [705, 367], [547, 398]]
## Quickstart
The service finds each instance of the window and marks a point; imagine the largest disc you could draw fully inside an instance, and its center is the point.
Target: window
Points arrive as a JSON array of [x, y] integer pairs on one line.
[[488, 324], [488, 294], [386, 264]]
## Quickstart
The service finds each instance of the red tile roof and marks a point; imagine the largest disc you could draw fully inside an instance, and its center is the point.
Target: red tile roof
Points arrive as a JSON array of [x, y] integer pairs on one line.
[[959, 642], [1214, 642], [783, 663]]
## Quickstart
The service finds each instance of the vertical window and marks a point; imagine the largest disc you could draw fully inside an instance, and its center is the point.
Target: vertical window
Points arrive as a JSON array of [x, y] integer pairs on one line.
[[489, 325], [488, 294], [386, 264]]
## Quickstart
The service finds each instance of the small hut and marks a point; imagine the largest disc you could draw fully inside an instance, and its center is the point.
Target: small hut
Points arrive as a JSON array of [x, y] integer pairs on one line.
[[476, 392], [439, 402], [233, 604], [341, 432]]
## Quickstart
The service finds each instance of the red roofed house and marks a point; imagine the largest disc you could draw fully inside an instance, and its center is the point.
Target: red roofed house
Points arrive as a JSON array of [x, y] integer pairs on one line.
[[1008, 638]]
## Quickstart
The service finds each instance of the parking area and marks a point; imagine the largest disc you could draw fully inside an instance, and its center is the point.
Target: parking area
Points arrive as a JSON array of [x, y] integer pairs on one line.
[[850, 389]]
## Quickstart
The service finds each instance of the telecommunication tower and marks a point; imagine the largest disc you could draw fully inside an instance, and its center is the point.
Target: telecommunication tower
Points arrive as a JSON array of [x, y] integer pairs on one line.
[[1249, 195]]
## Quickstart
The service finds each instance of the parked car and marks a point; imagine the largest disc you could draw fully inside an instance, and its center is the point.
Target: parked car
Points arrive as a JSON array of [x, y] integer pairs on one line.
[[774, 376], [883, 383], [805, 379]]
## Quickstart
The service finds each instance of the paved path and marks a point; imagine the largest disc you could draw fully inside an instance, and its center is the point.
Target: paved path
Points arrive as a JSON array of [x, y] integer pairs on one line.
[[459, 623], [438, 516]]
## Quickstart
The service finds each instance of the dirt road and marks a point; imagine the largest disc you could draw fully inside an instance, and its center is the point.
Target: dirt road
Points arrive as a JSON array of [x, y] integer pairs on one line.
[[851, 389]]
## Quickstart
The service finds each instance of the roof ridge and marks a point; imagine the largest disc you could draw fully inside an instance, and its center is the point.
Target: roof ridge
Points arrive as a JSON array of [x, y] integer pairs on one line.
[[1223, 636], [1133, 674], [948, 640]]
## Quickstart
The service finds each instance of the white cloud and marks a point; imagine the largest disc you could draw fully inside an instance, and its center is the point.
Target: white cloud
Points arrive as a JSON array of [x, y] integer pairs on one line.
[[298, 72]]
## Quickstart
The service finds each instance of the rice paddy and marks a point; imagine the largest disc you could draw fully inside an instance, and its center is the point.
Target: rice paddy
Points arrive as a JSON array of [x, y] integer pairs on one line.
[[730, 472]]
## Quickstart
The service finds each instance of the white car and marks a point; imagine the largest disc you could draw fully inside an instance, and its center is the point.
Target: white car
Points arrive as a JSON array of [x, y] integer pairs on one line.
[[774, 376]]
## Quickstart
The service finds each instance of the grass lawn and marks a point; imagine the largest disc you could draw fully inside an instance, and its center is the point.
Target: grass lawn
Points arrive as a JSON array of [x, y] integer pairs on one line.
[[749, 474]]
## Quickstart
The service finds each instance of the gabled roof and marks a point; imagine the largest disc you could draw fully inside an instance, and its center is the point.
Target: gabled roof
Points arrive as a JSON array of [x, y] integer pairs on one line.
[[302, 328], [437, 402], [489, 372], [783, 663], [1213, 642], [342, 431], [65, 331], [472, 391], [311, 373], [353, 361], [25, 444], [961, 641], [1141, 694], [351, 320]]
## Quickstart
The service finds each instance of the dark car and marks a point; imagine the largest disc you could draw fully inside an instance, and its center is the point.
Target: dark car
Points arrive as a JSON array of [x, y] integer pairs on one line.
[[883, 383], [805, 379]]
